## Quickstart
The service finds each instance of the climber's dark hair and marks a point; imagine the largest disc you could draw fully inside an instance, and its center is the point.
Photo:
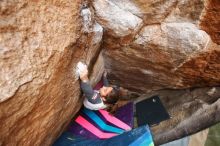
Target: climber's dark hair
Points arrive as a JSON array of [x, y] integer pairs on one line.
[[113, 96]]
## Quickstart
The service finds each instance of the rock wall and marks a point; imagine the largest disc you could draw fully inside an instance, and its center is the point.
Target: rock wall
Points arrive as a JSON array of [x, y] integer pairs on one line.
[[163, 46], [40, 44], [146, 46]]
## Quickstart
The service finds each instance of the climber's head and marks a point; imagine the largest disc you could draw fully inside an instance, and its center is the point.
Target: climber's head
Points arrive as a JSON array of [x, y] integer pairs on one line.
[[104, 91], [110, 94]]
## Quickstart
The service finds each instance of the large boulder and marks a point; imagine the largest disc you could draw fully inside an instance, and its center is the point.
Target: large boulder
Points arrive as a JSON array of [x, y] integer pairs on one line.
[[118, 23], [40, 45], [168, 51], [170, 55]]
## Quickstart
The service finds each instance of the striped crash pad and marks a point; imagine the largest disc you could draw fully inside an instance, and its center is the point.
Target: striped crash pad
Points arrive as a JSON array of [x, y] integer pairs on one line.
[[99, 128], [101, 125], [137, 137]]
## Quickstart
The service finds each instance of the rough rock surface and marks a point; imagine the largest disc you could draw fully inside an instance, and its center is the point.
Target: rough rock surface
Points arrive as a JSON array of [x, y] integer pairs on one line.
[[117, 22], [121, 23], [172, 55], [210, 20], [186, 11], [147, 45], [40, 44], [168, 51]]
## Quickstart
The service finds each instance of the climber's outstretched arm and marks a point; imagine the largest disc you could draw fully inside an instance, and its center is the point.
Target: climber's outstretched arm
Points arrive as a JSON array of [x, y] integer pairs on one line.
[[92, 96]]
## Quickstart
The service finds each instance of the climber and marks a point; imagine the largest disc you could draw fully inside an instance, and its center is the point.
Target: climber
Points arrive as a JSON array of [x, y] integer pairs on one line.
[[100, 99]]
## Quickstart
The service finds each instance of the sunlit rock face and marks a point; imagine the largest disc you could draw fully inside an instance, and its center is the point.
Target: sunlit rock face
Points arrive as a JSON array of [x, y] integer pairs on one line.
[[40, 44], [157, 11], [119, 24], [167, 51]]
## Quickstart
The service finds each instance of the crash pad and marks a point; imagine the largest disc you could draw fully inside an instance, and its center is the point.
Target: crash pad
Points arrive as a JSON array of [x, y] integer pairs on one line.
[[151, 111], [139, 136], [102, 125]]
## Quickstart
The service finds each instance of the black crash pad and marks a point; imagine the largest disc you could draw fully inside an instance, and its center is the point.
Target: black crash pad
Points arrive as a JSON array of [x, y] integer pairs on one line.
[[151, 111]]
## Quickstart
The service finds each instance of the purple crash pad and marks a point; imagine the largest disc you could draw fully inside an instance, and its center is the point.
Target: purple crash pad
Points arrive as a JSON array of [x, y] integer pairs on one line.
[[125, 114]]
